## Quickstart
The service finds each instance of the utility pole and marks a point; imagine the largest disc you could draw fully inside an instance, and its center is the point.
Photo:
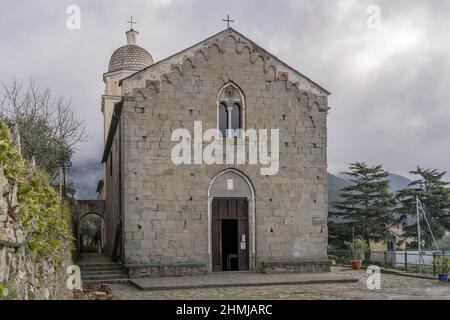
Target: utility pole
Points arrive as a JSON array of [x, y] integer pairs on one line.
[[418, 223], [418, 232]]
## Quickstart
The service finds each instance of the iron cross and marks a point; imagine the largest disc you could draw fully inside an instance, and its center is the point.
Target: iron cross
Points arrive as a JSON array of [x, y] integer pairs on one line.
[[227, 20], [131, 22]]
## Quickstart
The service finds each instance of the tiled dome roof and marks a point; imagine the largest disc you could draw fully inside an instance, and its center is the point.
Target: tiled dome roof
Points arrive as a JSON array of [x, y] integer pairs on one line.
[[130, 57]]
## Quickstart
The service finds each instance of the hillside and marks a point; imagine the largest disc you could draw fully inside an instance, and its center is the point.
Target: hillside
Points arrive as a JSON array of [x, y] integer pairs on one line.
[[339, 181]]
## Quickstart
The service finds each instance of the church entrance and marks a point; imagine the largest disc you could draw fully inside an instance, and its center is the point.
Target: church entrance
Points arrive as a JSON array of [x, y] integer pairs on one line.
[[230, 230]]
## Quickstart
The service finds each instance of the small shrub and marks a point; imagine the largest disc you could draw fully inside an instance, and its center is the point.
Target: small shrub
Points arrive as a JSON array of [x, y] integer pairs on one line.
[[45, 219], [358, 248], [442, 264]]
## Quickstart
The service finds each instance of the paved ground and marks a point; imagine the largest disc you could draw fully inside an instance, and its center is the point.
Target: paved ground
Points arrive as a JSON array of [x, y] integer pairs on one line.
[[392, 287]]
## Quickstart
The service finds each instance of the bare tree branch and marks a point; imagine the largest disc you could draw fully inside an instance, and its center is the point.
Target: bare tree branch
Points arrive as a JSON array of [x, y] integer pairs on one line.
[[49, 127]]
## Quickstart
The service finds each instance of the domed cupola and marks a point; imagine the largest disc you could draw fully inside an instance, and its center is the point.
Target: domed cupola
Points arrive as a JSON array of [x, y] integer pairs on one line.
[[130, 56], [124, 62]]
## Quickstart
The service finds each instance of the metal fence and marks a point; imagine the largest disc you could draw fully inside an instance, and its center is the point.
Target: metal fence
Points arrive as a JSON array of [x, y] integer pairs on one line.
[[407, 261]]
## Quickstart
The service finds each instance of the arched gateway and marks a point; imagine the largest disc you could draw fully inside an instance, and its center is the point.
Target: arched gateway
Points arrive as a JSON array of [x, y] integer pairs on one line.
[[87, 208], [231, 222]]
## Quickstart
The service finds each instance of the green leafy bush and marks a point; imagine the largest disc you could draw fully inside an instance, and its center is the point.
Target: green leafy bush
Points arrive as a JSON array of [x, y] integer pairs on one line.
[[442, 264], [358, 248], [45, 219], [7, 291], [89, 248]]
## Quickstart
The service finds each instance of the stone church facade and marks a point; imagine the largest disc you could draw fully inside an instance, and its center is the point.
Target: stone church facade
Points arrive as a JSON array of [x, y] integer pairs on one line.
[[168, 219]]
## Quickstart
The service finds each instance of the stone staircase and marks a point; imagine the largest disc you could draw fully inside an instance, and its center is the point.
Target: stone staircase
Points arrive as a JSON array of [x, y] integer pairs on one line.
[[98, 269]]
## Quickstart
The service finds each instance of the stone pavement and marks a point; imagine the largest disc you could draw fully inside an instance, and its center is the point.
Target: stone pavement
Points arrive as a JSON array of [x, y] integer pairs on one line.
[[393, 287], [239, 279]]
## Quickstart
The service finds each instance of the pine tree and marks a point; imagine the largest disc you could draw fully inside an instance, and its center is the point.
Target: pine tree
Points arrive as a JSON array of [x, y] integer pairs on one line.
[[366, 204], [434, 195]]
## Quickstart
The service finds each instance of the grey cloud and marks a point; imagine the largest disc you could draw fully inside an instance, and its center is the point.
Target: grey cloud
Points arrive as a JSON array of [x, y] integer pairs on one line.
[[390, 89]]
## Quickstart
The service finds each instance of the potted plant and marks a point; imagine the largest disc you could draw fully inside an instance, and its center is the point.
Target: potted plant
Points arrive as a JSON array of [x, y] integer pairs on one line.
[[358, 248], [442, 265]]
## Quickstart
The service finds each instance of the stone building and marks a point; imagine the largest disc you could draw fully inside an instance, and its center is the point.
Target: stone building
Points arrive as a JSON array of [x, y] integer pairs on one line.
[[168, 219]]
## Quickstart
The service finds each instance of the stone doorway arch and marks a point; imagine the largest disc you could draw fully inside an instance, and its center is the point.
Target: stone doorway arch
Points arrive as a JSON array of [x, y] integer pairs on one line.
[[86, 208], [232, 185], [100, 243]]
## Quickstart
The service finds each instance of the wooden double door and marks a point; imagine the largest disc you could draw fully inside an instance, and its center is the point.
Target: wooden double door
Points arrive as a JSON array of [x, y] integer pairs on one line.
[[230, 237]]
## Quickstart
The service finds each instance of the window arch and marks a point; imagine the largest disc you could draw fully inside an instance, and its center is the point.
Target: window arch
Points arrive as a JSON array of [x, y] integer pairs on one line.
[[231, 111]]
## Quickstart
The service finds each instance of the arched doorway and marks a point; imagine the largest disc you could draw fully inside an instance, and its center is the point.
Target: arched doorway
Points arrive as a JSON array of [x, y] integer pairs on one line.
[[91, 233], [84, 209], [231, 222]]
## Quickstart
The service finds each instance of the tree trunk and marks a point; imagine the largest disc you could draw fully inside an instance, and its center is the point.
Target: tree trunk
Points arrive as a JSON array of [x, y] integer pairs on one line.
[[367, 238]]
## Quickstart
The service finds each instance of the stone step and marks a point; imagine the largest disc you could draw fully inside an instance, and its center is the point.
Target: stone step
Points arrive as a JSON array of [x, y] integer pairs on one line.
[[106, 281], [98, 265], [100, 272], [112, 268], [102, 277]]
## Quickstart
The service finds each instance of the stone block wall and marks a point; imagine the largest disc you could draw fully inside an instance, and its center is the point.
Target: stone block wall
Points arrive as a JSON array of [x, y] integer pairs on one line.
[[113, 192], [20, 277], [166, 205]]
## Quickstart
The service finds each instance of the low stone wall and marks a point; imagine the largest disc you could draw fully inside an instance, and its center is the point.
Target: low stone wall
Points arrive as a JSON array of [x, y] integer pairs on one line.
[[165, 270], [306, 266], [21, 278]]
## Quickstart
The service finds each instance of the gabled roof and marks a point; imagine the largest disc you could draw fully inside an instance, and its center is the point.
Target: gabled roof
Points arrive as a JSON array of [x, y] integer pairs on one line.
[[223, 32]]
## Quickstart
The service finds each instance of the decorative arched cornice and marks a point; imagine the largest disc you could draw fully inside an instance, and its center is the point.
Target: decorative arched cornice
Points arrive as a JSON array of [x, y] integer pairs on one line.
[[315, 105], [244, 48], [178, 69], [139, 96], [214, 45], [234, 40], [258, 57], [201, 53], [167, 78], [304, 100], [188, 60]]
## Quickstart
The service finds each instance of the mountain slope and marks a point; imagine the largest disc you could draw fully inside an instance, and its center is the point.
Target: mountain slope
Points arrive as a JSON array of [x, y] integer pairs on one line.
[[339, 181]]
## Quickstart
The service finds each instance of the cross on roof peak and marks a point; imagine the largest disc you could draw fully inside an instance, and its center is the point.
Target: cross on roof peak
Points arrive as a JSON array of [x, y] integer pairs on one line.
[[227, 20], [131, 22]]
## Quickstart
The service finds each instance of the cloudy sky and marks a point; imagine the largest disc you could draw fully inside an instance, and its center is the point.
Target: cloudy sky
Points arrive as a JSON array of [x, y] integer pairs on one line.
[[390, 81]]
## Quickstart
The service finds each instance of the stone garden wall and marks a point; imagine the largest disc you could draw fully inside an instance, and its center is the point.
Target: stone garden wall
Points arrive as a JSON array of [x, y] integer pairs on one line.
[[35, 240]]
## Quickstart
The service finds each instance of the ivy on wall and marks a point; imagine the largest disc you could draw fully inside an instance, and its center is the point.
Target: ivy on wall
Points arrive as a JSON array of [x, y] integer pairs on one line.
[[45, 219]]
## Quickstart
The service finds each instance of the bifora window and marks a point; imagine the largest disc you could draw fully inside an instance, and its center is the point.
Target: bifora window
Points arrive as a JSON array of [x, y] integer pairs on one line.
[[230, 111]]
